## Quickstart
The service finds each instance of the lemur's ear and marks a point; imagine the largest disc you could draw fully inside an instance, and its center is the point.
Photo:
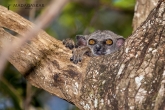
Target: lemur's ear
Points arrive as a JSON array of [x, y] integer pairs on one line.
[[81, 40], [120, 42]]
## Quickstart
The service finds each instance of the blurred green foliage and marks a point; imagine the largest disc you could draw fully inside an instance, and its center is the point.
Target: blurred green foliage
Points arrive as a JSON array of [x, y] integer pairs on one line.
[[125, 4], [80, 17]]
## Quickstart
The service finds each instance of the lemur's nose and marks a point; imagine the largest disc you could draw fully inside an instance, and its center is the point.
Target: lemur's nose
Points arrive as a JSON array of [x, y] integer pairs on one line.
[[98, 47]]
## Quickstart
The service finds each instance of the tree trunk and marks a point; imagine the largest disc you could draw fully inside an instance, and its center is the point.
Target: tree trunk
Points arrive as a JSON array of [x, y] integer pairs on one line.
[[142, 10], [131, 78]]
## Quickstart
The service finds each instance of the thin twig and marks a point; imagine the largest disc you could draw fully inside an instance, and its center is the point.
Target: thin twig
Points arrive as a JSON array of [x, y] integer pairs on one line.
[[29, 91], [41, 22]]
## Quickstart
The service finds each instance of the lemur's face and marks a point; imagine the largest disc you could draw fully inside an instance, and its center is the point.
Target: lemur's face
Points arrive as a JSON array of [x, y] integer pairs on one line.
[[103, 43]]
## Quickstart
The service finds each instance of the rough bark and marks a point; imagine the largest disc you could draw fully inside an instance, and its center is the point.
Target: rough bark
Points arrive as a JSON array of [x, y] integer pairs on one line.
[[132, 78]]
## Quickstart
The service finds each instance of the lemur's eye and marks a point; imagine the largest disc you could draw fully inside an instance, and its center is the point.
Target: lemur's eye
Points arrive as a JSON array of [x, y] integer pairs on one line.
[[109, 42], [92, 42]]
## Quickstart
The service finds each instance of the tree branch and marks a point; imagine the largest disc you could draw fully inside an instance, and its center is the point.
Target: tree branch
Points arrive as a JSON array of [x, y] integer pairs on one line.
[[44, 61]]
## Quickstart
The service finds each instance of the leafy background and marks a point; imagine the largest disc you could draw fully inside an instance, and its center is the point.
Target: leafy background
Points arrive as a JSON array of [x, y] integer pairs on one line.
[[77, 17]]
